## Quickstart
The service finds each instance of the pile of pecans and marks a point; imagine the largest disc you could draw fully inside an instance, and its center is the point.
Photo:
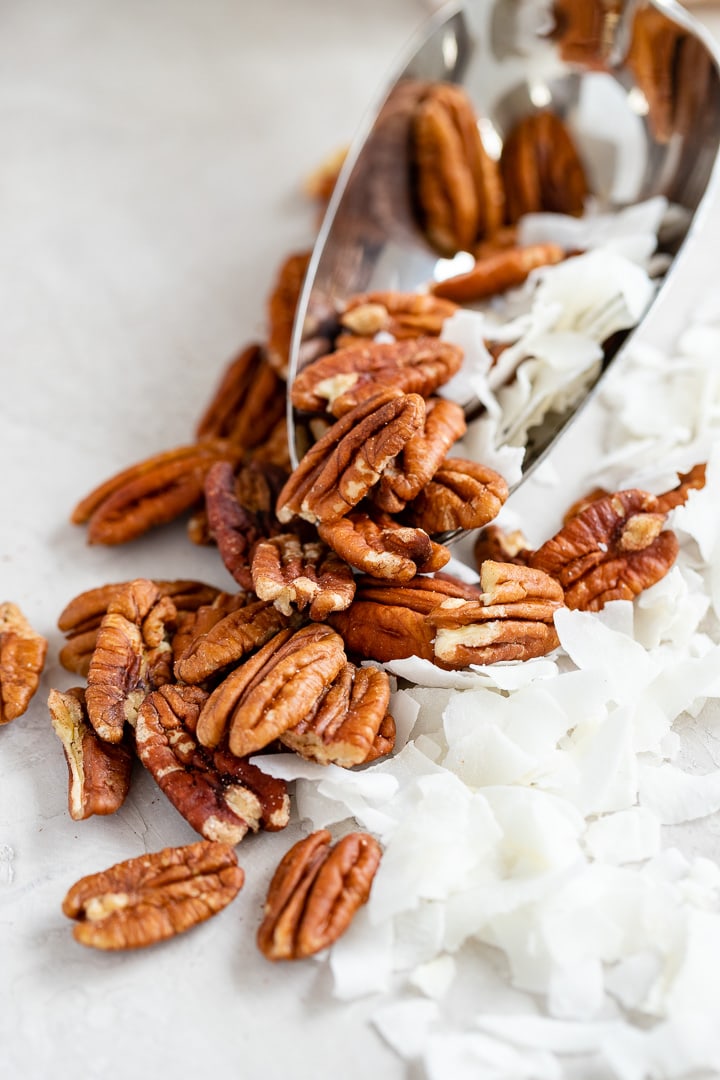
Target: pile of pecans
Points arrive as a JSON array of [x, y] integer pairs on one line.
[[334, 563]]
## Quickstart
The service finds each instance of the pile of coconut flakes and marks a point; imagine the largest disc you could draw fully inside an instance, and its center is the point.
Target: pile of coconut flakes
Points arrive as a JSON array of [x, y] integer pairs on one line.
[[533, 916]]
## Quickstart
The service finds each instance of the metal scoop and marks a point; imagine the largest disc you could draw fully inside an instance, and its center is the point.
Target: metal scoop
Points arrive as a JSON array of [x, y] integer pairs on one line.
[[654, 97]]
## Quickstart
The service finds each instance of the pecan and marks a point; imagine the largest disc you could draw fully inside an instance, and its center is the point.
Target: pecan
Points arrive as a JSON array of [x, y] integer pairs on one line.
[[386, 621], [404, 315], [292, 574], [151, 493], [458, 186], [81, 618], [219, 795], [98, 771], [461, 495], [541, 168], [496, 545], [421, 456], [653, 58], [341, 468], [512, 620], [282, 305], [193, 625], [384, 741], [241, 512], [612, 550], [153, 897], [583, 31], [321, 181], [506, 237], [344, 727], [225, 642], [315, 892], [22, 658], [497, 273], [384, 631], [275, 449], [248, 403], [689, 481], [131, 658], [346, 378], [380, 546], [583, 502], [272, 690]]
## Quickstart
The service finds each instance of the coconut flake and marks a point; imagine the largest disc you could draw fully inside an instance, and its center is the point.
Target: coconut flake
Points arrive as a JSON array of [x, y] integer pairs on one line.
[[467, 1057], [435, 977], [406, 1026], [675, 796], [626, 836], [361, 960]]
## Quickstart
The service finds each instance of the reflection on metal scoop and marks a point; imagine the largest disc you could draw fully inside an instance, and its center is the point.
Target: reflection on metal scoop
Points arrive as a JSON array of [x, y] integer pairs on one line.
[[637, 83]]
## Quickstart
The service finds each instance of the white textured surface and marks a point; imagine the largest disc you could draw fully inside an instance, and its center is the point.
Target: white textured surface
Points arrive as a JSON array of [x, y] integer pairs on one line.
[[151, 159]]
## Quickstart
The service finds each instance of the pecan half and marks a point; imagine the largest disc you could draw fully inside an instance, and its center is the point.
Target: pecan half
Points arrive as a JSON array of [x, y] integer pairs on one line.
[[295, 575], [497, 273], [153, 897], [512, 620], [344, 728], [583, 31], [98, 771], [193, 625], [421, 456], [272, 690], [496, 545], [81, 618], [319, 184], [154, 492], [404, 315], [461, 495], [228, 640], [541, 168], [22, 658], [282, 305], [248, 403], [218, 794], [131, 658], [612, 550], [458, 186], [583, 502], [677, 496], [275, 449], [344, 379], [380, 546], [339, 470], [241, 512], [315, 892]]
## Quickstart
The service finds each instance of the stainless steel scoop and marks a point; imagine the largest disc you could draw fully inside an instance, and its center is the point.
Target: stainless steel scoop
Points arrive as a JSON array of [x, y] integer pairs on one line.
[[637, 82]]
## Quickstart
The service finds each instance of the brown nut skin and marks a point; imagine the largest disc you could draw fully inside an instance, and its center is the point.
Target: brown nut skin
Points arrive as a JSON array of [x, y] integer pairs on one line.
[[611, 550], [153, 492], [512, 620], [461, 495], [403, 315], [344, 728], [458, 188], [342, 380], [218, 794], [132, 657], [541, 168], [227, 641], [378, 545], [693, 480], [305, 576], [494, 544], [342, 466], [421, 457], [315, 892], [247, 403], [81, 617], [497, 273], [281, 308], [151, 898], [272, 690], [98, 771], [22, 659]]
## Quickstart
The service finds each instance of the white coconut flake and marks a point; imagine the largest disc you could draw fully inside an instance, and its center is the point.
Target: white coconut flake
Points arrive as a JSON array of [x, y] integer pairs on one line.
[[435, 977], [406, 1026], [468, 1057], [626, 836], [361, 960], [675, 796]]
